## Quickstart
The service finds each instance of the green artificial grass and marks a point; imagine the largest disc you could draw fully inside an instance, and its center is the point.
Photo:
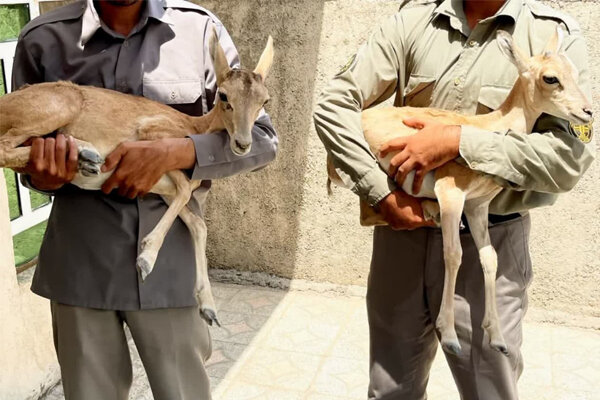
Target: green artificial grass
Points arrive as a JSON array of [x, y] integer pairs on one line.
[[13, 17], [27, 243]]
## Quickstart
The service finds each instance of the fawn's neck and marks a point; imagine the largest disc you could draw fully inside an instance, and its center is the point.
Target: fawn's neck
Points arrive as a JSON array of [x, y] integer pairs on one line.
[[209, 122], [515, 113]]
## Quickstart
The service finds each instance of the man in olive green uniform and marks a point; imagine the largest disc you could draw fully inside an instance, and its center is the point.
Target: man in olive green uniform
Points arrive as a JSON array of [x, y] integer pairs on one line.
[[444, 54]]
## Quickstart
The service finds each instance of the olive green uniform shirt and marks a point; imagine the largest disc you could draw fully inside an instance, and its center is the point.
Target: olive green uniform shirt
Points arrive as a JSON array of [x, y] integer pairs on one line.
[[427, 56]]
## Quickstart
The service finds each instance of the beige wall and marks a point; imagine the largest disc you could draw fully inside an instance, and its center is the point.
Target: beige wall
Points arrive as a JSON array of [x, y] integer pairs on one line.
[[280, 220], [27, 362]]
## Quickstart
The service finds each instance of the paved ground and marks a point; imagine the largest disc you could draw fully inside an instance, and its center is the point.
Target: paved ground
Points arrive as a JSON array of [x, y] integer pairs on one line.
[[304, 345]]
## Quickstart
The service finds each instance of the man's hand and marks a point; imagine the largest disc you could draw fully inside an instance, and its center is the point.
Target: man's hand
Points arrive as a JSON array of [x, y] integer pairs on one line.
[[140, 165], [435, 144], [52, 162], [402, 211]]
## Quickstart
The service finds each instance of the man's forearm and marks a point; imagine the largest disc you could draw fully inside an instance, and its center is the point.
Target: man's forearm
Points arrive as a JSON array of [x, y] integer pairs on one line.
[[215, 160]]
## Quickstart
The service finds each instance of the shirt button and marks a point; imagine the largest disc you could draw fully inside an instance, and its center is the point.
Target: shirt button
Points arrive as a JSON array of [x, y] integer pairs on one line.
[[472, 43], [457, 81], [211, 158], [125, 43], [173, 95]]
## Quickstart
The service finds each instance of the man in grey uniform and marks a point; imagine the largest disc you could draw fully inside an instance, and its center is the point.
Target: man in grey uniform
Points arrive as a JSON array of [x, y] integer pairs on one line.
[[158, 49], [444, 54]]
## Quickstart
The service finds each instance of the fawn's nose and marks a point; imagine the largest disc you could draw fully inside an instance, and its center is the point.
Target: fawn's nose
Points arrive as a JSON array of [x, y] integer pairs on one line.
[[242, 146], [588, 111]]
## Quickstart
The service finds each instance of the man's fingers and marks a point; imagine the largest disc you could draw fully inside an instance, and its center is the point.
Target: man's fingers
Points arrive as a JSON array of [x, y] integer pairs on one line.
[[36, 156], [403, 172], [418, 181], [49, 155], [397, 161], [414, 122], [60, 155], [111, 183], [73, 157], [397, 144], [113, 159]]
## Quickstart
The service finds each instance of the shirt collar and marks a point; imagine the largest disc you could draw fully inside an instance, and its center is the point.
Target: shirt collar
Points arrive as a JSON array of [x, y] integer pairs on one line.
[[454, 10], [91, 22]]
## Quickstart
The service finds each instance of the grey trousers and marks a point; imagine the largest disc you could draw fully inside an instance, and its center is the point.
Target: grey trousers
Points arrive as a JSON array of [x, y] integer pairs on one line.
[[403, 301], [94, 359]]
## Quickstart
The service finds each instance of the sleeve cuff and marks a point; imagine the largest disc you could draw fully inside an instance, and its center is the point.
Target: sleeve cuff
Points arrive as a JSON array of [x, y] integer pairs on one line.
[[483, 151], [374, 186]]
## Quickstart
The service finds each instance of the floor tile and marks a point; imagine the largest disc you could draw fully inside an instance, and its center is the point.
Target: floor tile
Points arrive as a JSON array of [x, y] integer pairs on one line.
[[237, 327], [285, 370], [343, 377]]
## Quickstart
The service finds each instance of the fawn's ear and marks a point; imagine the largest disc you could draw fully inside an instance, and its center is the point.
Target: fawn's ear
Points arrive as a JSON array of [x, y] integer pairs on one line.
[[219, 59], [266, 60], [511, 50], [555, 42]]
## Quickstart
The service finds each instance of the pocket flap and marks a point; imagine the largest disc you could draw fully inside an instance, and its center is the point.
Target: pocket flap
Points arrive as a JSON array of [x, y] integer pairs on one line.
[[187, 92], [492, 97]]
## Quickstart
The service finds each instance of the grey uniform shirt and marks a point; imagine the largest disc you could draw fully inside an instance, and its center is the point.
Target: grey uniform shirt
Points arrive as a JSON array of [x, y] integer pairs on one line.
[[89, 250]]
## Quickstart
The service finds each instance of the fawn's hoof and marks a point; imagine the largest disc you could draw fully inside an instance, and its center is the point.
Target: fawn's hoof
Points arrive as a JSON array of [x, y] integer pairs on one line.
[[451, 346], [210, 316], [89, 162], [500, 346], [144, 266]]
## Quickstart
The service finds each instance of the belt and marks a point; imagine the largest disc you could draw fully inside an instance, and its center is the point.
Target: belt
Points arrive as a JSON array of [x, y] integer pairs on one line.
[[493, 220]]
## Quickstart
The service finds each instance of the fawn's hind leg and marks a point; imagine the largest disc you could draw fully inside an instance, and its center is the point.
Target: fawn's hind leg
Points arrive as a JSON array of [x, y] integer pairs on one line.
[[451, 200], [204, 295], [477, 211], [12, 156]]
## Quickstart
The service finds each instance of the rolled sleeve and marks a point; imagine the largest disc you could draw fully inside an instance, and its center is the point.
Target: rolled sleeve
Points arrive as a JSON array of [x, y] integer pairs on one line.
[[373, 76], [214, 158]]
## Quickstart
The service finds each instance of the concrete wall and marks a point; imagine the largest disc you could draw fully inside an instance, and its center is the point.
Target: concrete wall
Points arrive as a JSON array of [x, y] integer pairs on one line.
[[280, 220], [28, 364]]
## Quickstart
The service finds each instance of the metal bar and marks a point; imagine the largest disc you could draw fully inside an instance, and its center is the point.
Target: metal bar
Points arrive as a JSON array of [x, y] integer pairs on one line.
[[25, 222]]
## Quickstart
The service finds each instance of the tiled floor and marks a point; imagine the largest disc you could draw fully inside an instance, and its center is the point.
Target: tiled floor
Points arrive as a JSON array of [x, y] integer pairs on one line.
[[303, 345]]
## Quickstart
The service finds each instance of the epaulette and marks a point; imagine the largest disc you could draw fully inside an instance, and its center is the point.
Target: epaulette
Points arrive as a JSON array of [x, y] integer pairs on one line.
[[71, 11], [543, 11], [187, 5], [416, 3]]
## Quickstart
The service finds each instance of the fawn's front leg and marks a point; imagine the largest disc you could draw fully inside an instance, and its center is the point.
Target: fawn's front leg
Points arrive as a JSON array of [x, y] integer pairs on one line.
[[451, 200], [152, 243]]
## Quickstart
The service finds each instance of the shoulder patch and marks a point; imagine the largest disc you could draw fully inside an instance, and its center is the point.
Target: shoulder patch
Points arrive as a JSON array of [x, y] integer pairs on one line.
[[583, 132], [65, 13], [416, 3], [188, 5], [543, 11]]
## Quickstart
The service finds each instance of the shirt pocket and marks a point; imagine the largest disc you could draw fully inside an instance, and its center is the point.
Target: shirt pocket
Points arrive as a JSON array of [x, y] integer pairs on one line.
[[491, 98], [173, 92], [419, 91]]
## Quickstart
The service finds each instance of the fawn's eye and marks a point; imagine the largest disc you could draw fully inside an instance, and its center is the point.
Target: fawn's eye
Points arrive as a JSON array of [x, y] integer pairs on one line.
[[223, 97], [550, 80], [265, 103]]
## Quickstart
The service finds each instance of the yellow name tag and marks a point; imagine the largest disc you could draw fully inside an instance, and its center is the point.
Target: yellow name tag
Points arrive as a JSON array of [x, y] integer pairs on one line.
[[583, 132]]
